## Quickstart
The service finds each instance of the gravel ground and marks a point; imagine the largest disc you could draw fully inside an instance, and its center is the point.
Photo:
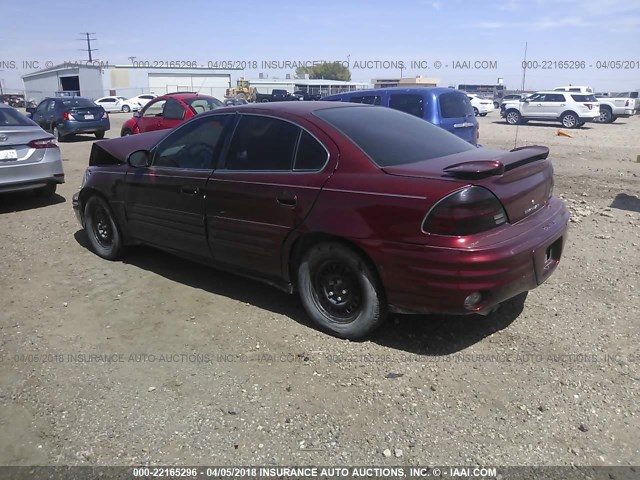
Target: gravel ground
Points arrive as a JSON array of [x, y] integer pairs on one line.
[[158, 360]]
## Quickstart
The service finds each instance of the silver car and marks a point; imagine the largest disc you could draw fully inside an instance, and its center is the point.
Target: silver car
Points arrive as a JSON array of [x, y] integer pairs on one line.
[[29, 156]]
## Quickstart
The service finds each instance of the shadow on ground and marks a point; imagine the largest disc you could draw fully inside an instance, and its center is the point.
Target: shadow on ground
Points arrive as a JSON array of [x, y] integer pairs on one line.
[[420, 334], [26, 200], [626, 202]]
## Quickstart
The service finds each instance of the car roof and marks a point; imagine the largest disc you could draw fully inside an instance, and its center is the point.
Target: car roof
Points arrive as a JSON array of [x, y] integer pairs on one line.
[[433, 90], [295, 108]]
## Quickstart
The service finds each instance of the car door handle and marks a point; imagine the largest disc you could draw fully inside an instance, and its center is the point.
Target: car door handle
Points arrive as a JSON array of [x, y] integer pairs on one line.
[[287, 201], [189, 190]]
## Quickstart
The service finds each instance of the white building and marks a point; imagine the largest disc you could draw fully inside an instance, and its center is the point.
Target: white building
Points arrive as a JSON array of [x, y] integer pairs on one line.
[[323, 87], [123, 80]]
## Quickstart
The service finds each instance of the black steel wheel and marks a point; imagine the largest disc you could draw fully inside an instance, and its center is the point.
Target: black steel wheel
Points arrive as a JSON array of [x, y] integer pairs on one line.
[[102, 229]]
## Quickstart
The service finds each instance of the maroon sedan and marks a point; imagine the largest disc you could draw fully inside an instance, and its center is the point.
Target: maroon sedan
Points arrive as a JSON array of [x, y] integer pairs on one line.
[[363, 210]]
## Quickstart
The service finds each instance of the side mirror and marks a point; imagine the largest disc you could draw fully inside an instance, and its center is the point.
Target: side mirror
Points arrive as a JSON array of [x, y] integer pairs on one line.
[[525, 100], [31, 110], [139, 159]]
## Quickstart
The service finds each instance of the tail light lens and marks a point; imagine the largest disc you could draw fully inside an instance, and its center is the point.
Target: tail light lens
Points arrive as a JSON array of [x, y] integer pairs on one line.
[[68, 116], [44, 143], [105, 115], [465, 212], [626, 104]]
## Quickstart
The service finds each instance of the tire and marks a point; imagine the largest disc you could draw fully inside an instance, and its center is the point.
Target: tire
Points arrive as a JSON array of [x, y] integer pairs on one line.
[[614, 118], [475, 111], [99, 135], [126, 132], [605, 115], [581, 124], [355, 310], [102, 229], [126, 108], [496, 105], [56, 133], [48, 191], [265, 100], [569, 120], [483, 114], [513, 117]]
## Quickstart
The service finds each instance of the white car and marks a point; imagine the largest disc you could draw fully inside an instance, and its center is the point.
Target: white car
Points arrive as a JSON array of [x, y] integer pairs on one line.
[[481, 106], [142, 99], [571, 109], [117, 104]]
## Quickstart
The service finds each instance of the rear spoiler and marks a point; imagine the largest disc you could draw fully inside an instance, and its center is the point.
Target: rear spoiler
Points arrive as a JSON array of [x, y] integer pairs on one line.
[[487, 168]]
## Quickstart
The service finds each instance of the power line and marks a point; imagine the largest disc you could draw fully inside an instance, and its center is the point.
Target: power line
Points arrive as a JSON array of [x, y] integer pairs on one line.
[[88, 40]]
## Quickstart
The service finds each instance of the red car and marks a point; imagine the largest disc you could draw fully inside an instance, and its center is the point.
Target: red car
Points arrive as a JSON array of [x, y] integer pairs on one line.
[[361, 209], [168, 111]]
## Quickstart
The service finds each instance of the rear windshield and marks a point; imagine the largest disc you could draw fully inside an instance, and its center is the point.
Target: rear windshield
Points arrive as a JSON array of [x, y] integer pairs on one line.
[[78, 102], [12, 118], [202, 104], [455, 105], [584, 98], [390, 137]]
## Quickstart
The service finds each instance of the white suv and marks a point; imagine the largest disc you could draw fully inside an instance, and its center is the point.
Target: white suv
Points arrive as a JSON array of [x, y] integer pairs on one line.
[[572, 109]]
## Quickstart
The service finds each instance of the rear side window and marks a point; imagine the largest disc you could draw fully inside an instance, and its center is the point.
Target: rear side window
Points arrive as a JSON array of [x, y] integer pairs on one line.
[[408, 103], [12, 118], [584, 98], [262, 143], [389, 137], [311, 154], [553, 97], [366, 99], [455, 105]]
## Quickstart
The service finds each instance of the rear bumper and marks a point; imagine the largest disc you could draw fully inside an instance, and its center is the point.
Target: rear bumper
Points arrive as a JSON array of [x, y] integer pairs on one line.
[[71, 127], [430, 279], [25, 175]]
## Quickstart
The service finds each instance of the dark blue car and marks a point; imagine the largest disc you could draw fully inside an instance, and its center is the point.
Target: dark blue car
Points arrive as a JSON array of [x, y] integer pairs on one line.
[[64, 116], [445, 107]]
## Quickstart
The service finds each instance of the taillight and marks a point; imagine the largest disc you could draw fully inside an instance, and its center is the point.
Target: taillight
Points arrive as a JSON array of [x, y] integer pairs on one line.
[[465, 212], [105, 115], [44, 143], [626, 104], [68, 116], [588, 105]]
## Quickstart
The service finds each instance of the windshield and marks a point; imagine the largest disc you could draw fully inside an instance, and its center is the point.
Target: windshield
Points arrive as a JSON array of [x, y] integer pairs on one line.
[[12, 118], [390, 137]]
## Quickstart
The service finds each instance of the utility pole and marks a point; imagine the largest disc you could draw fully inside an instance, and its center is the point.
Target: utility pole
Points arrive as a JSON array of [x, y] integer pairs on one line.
[[88, 39]]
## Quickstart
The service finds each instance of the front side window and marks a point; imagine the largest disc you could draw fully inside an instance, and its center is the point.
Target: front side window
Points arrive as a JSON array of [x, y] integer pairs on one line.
[[408, 103], [262, 143], [194, 146], [154, 109]]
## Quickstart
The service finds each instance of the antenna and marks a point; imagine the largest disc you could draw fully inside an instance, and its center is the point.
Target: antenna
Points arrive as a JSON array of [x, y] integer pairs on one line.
[[524, 74], [88, 39]]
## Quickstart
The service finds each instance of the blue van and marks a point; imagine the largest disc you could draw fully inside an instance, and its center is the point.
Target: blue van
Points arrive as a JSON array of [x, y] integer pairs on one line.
[[445, 107]]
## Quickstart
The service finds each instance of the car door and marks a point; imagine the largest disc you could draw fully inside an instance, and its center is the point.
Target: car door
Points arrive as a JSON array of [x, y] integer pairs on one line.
[[151, 117], [164, 203], [553, 105], [533, 107], [41, 114], [173, 114], [269, 178]]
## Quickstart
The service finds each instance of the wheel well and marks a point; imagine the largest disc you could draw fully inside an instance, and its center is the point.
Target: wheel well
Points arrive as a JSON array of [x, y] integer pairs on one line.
[[307, 241], [606, 107], [571, 112]]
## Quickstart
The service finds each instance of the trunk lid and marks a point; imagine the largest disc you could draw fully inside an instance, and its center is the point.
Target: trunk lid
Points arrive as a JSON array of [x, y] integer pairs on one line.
[[522, 179], [88, 114]]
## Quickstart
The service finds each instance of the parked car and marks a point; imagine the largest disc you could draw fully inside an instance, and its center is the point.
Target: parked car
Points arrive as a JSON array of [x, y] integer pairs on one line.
[[616, 105], [481, 106], [168, 111], [235, 101], [572, 110], [64, 116], [307, 96], [276, 95], [513, 96], [574, 88], [29, 156], [360, 209], [117, 104], [142, 99], [447, 108]]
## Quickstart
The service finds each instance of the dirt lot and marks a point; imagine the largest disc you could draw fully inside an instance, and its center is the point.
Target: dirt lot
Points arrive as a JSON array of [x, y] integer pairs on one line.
[[158, 360]]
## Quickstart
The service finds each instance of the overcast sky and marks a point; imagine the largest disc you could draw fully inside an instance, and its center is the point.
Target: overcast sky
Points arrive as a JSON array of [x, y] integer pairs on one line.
[[447, 31]]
